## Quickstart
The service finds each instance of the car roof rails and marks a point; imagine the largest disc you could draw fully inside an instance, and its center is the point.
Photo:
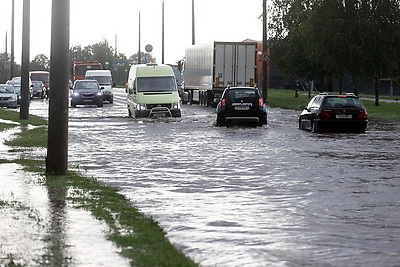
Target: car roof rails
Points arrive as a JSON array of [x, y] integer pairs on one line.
[[323, 93]]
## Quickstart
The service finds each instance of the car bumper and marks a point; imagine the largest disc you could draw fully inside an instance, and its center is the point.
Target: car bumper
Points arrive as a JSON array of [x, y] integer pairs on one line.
[[158, 112], [342, 125], [259, 119], [9, 103], [86, 101]]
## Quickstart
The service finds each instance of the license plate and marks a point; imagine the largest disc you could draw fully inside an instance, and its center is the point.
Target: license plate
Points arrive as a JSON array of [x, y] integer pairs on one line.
[[242, 107], [344, 116]]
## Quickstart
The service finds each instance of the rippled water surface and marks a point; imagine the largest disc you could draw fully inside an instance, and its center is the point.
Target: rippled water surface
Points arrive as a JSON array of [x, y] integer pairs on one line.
[[250, 196]]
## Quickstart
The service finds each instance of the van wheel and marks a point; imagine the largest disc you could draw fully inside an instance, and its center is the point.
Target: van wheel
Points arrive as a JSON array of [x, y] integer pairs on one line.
[[190, 99]]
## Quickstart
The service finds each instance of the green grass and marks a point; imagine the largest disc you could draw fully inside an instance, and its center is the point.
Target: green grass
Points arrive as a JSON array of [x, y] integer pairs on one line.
[[14, 116], [36, 137], [286, 99], [5, 126], [140, 237]]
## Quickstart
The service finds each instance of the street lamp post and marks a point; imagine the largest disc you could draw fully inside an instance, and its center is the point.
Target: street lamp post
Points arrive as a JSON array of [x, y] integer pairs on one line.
[[25, 96], [265, 48], [12, 38], [193, 25], [57, 144]]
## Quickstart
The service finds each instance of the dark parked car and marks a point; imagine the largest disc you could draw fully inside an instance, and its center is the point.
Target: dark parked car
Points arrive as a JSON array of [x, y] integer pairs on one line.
[[86, 92], [241, 105], [334, 113], [38, 89]]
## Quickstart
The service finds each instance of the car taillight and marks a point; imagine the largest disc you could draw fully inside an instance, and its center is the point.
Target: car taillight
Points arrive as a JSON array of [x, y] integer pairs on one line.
[[223, 102], [324, 115], [260, 103], [363, 115]]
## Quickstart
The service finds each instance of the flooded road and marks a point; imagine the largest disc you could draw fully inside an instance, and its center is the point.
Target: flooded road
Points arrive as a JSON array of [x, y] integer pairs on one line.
[[270, 196]]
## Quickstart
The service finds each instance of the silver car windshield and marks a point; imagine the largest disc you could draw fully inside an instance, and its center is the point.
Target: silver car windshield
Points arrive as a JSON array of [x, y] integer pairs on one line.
[[4, 89]]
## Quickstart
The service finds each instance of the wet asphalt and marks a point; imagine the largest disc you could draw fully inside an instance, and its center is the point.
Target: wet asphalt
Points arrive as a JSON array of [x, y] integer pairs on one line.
[[266, 196]]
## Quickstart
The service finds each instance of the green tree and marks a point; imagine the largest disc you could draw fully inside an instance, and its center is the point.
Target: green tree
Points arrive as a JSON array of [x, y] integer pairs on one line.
[[325, 37], [40, 62], [4, 73]]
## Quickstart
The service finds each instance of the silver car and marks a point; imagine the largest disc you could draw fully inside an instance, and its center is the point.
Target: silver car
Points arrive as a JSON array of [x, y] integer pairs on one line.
[[8, 96]]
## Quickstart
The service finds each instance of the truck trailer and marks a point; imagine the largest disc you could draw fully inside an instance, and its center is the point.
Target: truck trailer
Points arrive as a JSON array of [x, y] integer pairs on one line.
[[210, 68]]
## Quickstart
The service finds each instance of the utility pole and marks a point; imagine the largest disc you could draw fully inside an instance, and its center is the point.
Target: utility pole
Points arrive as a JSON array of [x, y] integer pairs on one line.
[[193, 28], [139, 57], [25, 96], [162, 34], [57, 144], [265, 53], [12, 39], [6, 54]]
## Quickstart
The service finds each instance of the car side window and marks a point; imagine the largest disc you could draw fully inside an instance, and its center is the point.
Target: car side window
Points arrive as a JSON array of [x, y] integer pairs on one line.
[[315, 104]]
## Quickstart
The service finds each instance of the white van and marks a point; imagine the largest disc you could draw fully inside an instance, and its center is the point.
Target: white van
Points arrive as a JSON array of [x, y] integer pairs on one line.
[[152, 91], [105, 80]]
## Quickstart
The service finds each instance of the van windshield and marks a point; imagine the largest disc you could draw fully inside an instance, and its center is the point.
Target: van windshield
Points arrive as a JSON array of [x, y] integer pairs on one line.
[[103, 80], [40, 77], [156, 84]]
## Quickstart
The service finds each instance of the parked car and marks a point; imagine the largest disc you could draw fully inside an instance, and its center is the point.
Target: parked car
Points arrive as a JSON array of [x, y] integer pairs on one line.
[[8, 96], [17, 88], [38, 89], [86, 92], [241, 105], [334, 113]]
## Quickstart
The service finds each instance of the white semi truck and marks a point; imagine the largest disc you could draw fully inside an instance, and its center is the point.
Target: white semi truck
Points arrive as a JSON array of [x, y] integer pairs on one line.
[[210, 68]]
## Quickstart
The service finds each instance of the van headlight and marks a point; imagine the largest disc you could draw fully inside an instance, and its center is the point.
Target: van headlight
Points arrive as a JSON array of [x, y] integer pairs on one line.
[[176, 105], [141, 106]]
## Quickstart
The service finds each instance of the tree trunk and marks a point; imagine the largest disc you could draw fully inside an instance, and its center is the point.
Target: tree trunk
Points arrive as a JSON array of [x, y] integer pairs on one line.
[[376, 91]]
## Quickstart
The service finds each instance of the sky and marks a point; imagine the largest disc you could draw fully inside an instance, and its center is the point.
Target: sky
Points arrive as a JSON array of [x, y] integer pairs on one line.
[[92, 21]]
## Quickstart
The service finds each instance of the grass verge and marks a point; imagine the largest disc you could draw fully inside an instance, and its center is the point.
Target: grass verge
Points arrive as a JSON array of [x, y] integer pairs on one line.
[[140, 237], [286, 99]]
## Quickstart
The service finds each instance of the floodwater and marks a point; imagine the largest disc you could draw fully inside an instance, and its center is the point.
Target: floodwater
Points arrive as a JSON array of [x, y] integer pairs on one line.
[[269, 196]]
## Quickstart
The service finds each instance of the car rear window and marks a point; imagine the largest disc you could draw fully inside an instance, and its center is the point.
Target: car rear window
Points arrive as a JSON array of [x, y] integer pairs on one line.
[[236, 94], [342, 102]]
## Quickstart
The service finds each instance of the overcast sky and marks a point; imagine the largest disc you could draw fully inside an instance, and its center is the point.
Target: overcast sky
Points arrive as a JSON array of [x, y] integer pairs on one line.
[[95, 20]]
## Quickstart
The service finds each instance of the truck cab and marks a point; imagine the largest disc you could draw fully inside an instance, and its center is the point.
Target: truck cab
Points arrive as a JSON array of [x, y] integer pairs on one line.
[[152, 91]]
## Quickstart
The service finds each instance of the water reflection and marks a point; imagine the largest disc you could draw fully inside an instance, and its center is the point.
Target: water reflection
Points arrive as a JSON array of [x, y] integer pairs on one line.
[[252, 196], [57, 247]]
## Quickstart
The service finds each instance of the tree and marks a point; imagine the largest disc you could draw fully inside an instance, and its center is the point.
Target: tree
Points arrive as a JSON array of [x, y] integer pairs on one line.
[[4, 73], [40, 62], [326, 37]]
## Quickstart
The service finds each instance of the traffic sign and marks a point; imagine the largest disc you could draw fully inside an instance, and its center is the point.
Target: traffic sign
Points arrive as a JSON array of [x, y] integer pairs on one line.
[[148, 48], [7, 64], [264, 57]]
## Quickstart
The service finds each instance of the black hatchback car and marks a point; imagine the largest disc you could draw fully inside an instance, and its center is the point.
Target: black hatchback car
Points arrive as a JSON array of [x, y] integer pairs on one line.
[[334, 113], [241, 105], [86, 92]]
